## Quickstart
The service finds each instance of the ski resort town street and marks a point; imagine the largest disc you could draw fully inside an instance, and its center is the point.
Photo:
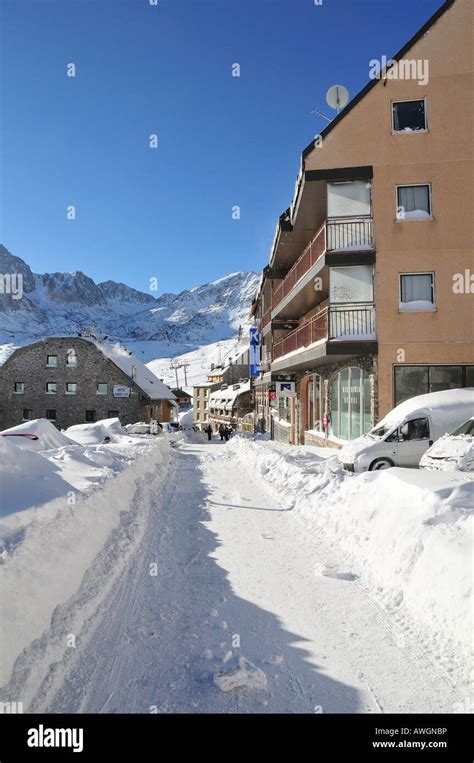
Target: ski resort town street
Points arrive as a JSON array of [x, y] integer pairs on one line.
[[210, 591]]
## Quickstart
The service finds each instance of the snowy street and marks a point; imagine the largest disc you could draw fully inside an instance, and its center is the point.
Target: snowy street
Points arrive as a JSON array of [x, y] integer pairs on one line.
[[208, 565]]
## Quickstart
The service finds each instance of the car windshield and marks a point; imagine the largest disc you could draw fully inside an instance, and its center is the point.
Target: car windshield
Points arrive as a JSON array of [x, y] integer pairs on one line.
[[466, 428], [381, 430]]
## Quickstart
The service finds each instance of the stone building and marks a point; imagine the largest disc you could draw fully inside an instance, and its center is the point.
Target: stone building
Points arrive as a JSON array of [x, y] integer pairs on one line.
[[74, 380]]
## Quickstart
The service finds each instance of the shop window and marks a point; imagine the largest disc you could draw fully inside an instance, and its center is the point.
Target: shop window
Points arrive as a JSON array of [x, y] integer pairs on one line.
[[350, 403], [419, 380], [315, 403]]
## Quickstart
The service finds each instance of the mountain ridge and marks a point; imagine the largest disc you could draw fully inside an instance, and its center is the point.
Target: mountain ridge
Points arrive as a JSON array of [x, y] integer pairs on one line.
[[72, 302]]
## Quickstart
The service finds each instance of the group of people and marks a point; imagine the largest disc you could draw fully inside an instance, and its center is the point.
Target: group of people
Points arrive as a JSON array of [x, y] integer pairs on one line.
[[224, 432]]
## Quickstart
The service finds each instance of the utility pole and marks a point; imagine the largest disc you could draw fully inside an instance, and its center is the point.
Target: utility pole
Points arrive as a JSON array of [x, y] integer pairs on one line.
[[184, 366], [174, 367]]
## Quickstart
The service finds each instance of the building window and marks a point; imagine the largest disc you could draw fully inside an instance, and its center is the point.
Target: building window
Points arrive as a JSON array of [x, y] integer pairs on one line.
[[113, 415], [51, 415], [19, 388], [71, 388], [284, 408], [414, 202], [419, 380], [90, 415], [102, 388], [315, 403], [51, 361], [71, 359], [51, 388], [350, 403], [417, 292], [409, 116], [27, 414]]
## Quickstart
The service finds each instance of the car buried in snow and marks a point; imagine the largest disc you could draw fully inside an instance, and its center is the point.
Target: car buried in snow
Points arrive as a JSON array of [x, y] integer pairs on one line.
[[452, 452], [407, 431]]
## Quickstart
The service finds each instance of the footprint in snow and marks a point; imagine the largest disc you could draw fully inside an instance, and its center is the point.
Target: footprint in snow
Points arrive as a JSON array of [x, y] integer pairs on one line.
[[331, 571]]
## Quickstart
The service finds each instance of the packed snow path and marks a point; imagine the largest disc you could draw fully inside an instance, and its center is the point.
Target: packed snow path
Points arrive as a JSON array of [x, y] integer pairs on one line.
[[235, 577]]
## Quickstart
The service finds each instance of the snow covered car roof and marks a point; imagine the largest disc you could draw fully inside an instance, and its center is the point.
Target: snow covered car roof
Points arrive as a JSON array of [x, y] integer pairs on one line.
[[445, 402]]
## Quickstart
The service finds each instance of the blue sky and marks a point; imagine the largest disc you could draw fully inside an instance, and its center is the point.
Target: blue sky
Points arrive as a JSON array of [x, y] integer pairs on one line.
[[222, 140]]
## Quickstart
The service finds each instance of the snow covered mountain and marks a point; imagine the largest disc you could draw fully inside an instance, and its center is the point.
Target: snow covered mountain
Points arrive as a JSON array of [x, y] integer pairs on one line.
[[68, 303]]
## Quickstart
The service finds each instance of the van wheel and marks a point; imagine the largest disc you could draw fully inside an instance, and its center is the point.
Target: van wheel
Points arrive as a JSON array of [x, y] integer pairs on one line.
[[380, 463]]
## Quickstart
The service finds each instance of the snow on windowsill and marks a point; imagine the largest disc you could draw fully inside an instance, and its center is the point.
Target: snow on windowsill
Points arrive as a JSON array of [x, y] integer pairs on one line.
[[409, 131], [415, 214], [417, 306]]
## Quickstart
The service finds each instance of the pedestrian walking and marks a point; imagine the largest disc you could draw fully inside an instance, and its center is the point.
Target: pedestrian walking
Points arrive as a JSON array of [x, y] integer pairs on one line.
[[222, 432], [208, 431]]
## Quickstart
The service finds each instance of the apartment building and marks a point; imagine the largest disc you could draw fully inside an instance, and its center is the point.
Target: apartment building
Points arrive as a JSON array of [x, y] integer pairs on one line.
[[201, 394], [75, 380], [368, 295], [226, 378]]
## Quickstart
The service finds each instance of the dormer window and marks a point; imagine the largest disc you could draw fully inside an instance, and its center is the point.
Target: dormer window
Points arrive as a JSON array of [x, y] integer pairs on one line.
[[71, 359]]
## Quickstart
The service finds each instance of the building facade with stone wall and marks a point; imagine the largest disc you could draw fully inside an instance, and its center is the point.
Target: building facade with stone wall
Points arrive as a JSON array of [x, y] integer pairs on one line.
[[69, 380]]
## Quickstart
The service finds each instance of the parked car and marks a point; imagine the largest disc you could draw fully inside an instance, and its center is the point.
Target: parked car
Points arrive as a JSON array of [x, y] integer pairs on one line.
[[170, 427], [404, 434], [453, 451]]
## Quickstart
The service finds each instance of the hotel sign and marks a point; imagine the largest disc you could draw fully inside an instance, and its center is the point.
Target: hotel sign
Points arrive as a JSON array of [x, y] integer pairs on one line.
[[121, 391]]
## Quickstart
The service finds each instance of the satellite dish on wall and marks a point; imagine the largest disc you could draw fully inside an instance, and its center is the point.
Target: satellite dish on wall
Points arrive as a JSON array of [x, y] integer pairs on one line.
[[337, 97]]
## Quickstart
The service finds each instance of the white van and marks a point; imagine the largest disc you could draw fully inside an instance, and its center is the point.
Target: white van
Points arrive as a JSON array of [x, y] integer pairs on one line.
[[402, 437]]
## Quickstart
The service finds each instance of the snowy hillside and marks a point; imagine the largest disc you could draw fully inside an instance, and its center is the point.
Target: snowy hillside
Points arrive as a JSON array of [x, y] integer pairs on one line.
[[164, 326]]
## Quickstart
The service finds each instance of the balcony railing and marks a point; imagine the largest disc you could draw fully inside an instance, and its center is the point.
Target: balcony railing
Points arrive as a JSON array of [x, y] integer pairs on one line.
[[350, 234], [310, 256], [337, 234], [352, 323], [313, 331], [346, 323], [265, 319]]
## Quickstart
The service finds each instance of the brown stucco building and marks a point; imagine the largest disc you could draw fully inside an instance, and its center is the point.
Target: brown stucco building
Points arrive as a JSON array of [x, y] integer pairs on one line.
[[368, 295]]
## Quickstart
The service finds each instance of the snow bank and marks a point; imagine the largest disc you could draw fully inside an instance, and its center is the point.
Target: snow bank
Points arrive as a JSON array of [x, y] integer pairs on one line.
[[91, 434], [407, 533], [47, 434], [24, 475], [43, 565]]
